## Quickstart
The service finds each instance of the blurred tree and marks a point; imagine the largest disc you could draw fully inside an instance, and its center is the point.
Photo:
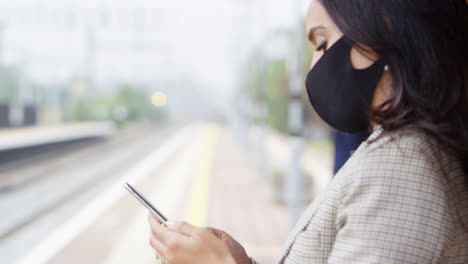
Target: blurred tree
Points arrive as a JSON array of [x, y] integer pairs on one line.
[[128, 103], [9, 83], [80, 110], [276, 80], [268, 85], [136, 102]]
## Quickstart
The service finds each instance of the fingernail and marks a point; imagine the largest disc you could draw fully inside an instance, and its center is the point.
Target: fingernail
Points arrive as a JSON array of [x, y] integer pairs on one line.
[[170, 224]]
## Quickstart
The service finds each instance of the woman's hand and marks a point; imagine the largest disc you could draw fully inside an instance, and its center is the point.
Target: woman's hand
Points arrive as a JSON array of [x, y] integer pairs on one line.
[[182, 243]]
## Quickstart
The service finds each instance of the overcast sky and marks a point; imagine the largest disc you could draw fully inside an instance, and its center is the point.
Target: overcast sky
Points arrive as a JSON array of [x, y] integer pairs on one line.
[[139, 40]]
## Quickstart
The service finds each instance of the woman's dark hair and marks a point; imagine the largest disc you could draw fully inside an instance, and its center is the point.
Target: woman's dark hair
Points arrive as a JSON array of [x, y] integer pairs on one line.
[[425, 45]]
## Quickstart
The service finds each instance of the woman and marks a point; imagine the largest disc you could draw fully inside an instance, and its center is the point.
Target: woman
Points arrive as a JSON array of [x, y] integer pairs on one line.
[[399, 68]]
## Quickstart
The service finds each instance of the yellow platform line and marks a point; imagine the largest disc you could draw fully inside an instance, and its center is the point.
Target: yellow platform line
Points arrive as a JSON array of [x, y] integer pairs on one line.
[[198, 199]]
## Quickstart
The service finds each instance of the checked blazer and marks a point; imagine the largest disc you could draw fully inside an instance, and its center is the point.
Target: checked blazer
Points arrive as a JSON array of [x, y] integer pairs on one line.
[[400, 198]]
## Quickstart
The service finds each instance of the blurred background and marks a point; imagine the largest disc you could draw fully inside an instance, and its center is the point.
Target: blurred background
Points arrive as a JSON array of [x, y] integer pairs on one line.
[[200, 104]]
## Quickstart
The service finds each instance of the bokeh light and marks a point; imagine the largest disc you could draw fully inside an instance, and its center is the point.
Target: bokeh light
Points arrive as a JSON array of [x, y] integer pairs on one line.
[[159, 99]]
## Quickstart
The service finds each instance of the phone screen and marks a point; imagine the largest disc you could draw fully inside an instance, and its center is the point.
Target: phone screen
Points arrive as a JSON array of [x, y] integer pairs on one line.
[[163, 219]]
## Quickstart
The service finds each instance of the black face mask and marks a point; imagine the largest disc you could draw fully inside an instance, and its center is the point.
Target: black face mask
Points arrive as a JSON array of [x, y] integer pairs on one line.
[[340, 94]]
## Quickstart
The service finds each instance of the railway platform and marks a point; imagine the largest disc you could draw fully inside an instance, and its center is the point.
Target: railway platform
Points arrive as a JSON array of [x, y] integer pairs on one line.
[[18, 138], [21, 146], [202, 175]]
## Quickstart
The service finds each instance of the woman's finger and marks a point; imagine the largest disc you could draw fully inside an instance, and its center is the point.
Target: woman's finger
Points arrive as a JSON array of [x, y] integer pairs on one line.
[[151, 216], [160, 232], [218, 233], [159, 247], [183, 228]]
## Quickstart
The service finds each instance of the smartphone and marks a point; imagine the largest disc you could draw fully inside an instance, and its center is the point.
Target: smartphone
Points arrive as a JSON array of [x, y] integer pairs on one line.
[[154, 211]]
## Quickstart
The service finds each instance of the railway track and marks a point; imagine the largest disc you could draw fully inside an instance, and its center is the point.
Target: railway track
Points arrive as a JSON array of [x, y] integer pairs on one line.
[[59, 188], [24, 166]]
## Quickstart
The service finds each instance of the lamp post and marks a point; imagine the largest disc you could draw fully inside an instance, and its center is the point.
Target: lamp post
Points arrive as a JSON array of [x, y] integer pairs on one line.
[[2, 83], [90, 57], [294, 181]]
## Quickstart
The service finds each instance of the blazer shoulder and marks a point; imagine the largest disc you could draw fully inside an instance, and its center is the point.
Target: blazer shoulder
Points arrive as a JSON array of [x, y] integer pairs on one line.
[[398, 160]]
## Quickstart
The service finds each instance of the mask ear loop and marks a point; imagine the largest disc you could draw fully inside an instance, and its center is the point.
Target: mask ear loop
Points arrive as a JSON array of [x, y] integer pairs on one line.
[[351, 45]]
